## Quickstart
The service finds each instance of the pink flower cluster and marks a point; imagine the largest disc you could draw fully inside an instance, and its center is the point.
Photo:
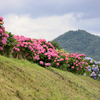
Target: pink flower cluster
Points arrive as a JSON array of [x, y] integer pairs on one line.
[[3, 35], [1, 20], [44, 53], [35, 49], [76, 61]]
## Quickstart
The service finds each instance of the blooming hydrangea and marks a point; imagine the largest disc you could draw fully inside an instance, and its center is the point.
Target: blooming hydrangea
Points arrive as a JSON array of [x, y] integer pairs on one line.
[[3, 35], [41, 62], [1, 18], [93, 69]]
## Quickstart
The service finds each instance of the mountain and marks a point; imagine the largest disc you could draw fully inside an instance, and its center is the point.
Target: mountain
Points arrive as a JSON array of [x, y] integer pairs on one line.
[[80, 41], [23, 80]]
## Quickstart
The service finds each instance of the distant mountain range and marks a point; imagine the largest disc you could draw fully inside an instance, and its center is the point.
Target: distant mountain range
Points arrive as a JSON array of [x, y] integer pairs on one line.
[[80, 41]]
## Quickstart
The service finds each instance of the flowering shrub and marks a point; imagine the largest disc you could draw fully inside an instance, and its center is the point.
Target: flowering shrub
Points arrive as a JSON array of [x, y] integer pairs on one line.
[[93, 69], [3, 37], [36, 50], [44, 53], [61, 60], [76, 63], [10, 43], [21, 49]]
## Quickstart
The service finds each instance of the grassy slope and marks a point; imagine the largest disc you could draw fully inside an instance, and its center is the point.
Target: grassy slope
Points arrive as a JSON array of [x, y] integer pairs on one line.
[[22, 80]]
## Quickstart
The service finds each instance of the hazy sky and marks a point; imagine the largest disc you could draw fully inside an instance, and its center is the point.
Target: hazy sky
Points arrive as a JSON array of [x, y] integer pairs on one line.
[[47, 19]]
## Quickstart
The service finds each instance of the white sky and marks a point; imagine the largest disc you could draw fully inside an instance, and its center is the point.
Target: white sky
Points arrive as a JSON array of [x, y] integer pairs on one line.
[[47, 19]]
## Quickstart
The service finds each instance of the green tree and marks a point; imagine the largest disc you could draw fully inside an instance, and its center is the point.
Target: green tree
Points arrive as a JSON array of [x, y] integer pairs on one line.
[[55, 44]]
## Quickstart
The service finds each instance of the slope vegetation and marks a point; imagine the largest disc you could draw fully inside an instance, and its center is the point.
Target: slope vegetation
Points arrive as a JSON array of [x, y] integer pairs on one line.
[[80, 41], [23, 80]]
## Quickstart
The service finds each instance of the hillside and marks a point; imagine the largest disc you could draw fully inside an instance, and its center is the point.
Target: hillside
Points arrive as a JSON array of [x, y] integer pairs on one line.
[[80, 41], [22, 80]]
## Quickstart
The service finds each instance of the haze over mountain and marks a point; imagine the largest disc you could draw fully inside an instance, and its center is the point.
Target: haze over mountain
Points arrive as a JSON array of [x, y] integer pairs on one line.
[[80, 41]]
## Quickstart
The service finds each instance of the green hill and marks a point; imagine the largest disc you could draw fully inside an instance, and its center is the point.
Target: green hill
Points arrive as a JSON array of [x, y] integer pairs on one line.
[[23, 80], [81, 42]]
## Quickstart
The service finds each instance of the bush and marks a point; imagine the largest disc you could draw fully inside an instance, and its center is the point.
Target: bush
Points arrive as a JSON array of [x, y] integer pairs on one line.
[[93, 69], [3, 38]]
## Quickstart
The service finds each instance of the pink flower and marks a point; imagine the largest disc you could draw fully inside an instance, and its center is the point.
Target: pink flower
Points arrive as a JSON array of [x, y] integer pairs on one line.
[[3, 42], [49, 58], [18, 45], [45, 54], [1, 48], [76, 64], [27, 54], [18, 49], [30, 47], [12, 51], [86, 63], [81, 66], [61, 59], [1, 18], [82, 55], [72, 67], [6, 35], [41, 62], [36, 57], [79, 58], [76, 53], [55, 60], [66, 58], [47, 64], [86, 67], [22, 44], [4, 38], [67, 55], [57, 64], [78, 69], [76, 61], [1, 31], [3, 28], [61, 54], [61, 51], [71, 53], [42, 40], [25, 46]]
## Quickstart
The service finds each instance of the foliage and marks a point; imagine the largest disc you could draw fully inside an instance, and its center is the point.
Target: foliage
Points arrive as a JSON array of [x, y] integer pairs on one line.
[[55, 44], [62, 50], [22, 80], [10, 43]]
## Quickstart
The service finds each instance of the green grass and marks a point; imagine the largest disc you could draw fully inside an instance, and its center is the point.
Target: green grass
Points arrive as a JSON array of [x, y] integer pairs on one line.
[[22, 80]]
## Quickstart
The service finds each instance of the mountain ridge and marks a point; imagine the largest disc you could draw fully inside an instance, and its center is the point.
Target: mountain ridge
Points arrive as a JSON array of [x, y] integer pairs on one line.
[[80, 41]]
